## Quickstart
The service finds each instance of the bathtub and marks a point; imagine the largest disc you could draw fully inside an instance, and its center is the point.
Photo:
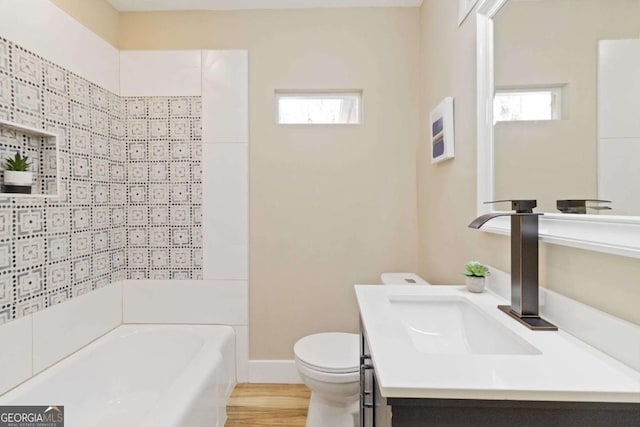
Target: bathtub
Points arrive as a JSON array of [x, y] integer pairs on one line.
[[142, 376]]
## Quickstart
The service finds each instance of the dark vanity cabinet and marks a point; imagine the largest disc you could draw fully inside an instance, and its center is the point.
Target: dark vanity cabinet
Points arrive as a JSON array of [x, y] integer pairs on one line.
[[374, 411], [379, 411]]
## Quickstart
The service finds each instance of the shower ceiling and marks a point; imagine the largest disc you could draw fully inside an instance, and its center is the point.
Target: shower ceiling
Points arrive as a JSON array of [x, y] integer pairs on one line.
[[147, 5]]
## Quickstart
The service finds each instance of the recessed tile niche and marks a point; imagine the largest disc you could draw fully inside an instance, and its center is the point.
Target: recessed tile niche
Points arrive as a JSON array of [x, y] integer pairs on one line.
[[42, 149]]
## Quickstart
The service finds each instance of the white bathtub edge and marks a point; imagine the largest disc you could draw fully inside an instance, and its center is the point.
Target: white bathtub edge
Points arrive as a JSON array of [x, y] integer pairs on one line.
[[206, 377], [242, 353], [57, 333], [16, 362], [185, 397]]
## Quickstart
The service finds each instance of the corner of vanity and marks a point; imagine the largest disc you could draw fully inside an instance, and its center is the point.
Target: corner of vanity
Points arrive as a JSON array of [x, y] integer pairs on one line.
[[405, 382]]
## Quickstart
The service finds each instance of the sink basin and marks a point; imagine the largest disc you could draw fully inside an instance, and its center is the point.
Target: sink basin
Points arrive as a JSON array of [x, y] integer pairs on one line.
[[453, 325]]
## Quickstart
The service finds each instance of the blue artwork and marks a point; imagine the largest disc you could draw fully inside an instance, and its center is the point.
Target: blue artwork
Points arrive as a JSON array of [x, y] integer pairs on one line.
[[442, 130]]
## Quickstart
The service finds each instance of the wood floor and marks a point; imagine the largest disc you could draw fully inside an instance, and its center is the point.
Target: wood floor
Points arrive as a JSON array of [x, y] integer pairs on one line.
[[277, 405]]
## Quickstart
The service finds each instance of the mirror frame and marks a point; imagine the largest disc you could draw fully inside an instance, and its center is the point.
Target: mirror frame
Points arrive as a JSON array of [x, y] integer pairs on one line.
[[619, 235]]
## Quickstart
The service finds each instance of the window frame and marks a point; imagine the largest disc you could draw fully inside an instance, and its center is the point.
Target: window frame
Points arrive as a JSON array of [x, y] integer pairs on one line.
[[555, 91], [319, 94]]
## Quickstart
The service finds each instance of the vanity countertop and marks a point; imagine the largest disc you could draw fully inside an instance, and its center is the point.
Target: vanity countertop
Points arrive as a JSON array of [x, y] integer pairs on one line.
[[558, 367]]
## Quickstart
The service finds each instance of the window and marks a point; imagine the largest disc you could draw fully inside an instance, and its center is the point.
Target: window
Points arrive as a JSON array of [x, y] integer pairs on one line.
[[527, 104], [318, 107]]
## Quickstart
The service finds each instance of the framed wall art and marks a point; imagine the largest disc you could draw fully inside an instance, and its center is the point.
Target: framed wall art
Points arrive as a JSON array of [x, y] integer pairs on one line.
[[442, 131]]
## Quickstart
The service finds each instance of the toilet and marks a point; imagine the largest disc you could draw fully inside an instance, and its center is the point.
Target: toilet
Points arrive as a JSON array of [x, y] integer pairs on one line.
[[329, 365]]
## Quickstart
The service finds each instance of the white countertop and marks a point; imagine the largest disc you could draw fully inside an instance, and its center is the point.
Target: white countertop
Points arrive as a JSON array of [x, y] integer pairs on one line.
[[565, 369]]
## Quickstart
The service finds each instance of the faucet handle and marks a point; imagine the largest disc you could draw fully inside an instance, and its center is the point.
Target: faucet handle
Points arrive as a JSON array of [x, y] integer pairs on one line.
[[579, 206], [520, 206]]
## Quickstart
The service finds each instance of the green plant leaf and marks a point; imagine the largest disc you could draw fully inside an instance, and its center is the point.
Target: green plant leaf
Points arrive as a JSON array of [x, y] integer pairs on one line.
[[475, 269], [17, 163]]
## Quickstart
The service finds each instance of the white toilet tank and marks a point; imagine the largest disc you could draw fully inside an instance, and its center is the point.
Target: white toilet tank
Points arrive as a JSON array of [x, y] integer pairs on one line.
[[403, 279]]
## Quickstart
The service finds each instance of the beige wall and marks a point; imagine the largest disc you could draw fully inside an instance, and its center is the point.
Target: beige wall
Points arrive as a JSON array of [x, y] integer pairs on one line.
[[332, 207], [447, 191], [97, 15], [553, 43], [329, 206]]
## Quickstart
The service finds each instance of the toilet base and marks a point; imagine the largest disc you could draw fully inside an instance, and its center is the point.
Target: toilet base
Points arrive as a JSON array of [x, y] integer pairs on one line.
[[331, 413]]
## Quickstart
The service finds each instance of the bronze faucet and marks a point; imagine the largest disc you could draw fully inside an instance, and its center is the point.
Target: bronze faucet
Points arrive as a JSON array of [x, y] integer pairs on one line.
[[524, 263]]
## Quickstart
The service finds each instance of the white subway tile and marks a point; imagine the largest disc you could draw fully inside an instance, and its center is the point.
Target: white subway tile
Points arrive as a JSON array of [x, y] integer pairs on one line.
[[225, 96], [617, 170], [160, 73], [15, 356], [185, 301], [62, 329], [619, 88], [40, 26], [225, 211]]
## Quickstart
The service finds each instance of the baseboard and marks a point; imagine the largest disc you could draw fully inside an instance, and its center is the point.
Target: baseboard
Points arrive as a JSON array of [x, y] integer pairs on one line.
[[274, 372]]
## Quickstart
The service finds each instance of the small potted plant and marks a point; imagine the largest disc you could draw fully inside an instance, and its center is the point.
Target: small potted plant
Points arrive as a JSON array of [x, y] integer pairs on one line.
[[17, 177], [476, 276]]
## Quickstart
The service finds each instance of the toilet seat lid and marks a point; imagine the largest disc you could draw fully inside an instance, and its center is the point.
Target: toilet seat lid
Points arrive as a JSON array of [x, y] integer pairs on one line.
[[333, 352]]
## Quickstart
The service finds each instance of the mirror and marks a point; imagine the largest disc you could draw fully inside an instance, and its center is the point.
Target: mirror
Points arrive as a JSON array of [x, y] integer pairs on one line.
[[614, 117], [567, 102]]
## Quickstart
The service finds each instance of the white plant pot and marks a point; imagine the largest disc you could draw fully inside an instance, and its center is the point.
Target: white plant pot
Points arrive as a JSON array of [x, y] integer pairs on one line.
[[475, 284], [18, 178]]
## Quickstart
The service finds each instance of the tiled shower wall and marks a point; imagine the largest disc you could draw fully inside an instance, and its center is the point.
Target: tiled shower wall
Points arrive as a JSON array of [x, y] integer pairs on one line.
[[52, 250], [130, 189], [164, 147]]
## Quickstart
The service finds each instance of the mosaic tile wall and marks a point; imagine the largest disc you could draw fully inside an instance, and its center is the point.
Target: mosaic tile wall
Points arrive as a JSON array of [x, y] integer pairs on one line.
[[130, 195], [55, 249], [164, 178]]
